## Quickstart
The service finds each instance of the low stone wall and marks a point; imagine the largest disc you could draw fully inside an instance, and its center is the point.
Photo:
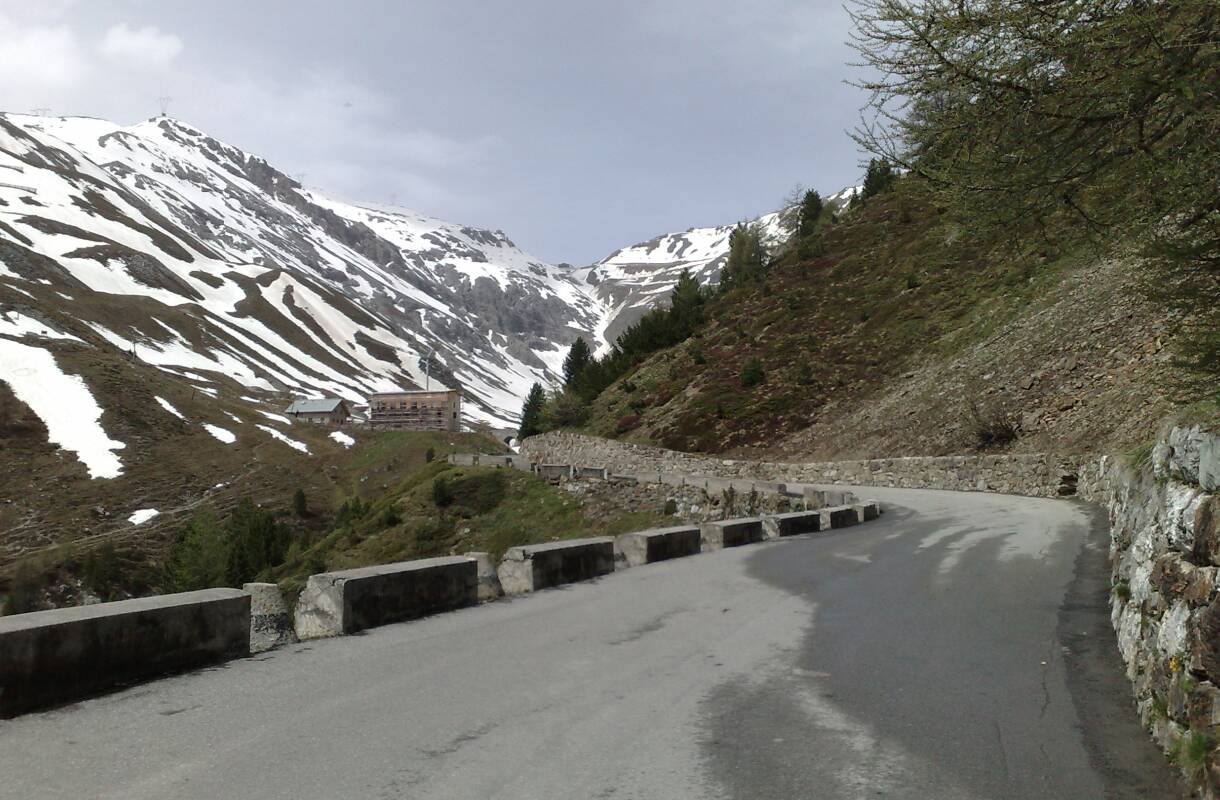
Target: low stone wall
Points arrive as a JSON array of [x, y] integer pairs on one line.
[[1165, 604], [66, 654], [1036, 475], [688, 503], [335, 603]]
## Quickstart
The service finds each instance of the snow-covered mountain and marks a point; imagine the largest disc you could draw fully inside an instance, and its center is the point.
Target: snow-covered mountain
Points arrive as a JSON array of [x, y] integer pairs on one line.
[[207, 262], [286, 289], [634, 279]]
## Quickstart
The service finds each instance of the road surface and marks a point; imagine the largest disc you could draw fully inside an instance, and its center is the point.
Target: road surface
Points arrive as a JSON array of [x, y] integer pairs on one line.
[[958, 648]]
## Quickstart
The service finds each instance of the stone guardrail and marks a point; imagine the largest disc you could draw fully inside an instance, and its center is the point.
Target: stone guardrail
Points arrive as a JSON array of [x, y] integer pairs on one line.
[[66, 654], [791, 523], [658, 544], [529, 568], [731, 533], [52, 657], [352, 600]]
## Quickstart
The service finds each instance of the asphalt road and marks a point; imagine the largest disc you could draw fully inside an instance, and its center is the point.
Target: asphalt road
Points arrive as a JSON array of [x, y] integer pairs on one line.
[[959, 647]]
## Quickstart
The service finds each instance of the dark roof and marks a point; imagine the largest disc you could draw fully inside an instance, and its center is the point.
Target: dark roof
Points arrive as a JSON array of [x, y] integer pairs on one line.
[[318, 405]]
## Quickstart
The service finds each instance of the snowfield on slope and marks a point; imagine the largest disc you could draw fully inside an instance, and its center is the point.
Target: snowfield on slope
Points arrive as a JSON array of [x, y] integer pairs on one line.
[[64, 404]]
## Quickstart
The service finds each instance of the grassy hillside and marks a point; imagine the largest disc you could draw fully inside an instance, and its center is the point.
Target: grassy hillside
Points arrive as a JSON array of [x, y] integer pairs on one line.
[[899, 306], [476, 509]]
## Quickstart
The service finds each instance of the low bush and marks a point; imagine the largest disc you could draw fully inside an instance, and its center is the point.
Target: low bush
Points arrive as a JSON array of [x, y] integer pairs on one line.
[[752, 373]]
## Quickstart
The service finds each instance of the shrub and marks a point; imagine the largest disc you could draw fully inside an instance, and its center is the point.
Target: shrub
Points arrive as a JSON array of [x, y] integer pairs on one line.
[[199, 558], [671, 506], [442, 494], [993, 429], [300, 506], [353, 509], [102, 570], [479, 493], [804, 373], [430, 455], [390, 517], [696, 354], [627, 423], [23, 593], [1191, 753], [752, 373]]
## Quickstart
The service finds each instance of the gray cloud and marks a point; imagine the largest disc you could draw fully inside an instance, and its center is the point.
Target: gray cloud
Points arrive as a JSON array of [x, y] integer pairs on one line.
[[577, 127]]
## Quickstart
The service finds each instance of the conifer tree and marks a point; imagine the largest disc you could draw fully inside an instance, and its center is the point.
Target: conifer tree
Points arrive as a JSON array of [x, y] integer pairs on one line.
[[810, 211], [531, 412], [577, 359]]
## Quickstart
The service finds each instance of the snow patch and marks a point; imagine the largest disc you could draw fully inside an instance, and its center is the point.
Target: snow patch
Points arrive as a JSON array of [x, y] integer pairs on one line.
[[14, 323], [228, 437], [142, 516], [168, 407], [64, 404], [293, 443], [343, 439]]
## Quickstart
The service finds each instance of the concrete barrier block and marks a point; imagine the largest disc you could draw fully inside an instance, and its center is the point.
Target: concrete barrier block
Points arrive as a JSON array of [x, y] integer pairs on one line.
[[352, 600], [462, 459], [840, 497], [528, 568], [869, 510], [837, 517], [815, 498], [66, 654], [768, 487], [731, 533], [554, 472], [645, 547], [791, 524], [592, 473], [489, 581], [270, 619]]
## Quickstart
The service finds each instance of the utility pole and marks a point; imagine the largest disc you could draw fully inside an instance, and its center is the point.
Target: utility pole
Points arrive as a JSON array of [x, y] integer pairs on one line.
[[163, 101]]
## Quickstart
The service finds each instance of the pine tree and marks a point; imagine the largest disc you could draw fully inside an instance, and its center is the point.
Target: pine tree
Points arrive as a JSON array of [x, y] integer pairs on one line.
[[577, 359], [810, 211], [877, 177], [531, 412], [686, 305], [747, 256]]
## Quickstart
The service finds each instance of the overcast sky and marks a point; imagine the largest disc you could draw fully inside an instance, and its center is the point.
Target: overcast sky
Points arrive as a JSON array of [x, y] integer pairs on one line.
[[576, 127]]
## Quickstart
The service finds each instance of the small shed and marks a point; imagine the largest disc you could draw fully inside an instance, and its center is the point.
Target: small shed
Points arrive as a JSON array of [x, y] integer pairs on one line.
[[320, 410]]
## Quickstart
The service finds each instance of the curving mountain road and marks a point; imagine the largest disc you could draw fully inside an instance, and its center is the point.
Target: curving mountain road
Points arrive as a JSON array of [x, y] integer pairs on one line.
[[959, 647]]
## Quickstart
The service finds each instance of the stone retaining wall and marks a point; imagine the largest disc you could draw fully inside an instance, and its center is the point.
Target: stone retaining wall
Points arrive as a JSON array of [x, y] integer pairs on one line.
[[1165, 605], [1035, 475]]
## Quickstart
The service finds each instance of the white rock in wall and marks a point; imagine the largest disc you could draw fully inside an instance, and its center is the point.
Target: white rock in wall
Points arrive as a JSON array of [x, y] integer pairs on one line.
[[1181, 502], [1128, 630], [1171, 637], [1186, 444]]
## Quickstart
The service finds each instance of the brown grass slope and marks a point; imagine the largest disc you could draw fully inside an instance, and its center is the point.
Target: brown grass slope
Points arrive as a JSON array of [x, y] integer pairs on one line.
[[902, 332]]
